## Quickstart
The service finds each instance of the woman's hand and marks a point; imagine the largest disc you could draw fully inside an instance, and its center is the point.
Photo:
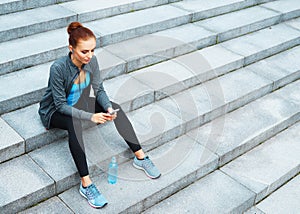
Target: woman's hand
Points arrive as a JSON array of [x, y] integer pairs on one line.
[[100, 117], [112, 116]]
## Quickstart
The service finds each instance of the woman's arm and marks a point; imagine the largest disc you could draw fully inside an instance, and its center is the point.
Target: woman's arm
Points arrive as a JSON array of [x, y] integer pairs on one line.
[[97, 84]]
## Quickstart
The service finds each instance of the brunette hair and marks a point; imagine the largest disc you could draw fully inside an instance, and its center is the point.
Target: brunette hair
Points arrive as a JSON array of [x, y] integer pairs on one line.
[[77, 31]]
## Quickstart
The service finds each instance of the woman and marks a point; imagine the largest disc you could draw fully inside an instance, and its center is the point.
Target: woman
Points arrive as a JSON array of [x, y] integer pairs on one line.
[[66, 103]]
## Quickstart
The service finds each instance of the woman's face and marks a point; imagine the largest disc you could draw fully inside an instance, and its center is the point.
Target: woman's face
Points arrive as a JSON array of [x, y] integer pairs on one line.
[[83, 52]]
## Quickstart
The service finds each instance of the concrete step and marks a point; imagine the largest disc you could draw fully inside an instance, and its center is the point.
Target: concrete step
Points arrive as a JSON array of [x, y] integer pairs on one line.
[[162, 49], [25, 23], [24, 184], [128, 56], [54, 204], [284, 199], [12, 6], [241, 22], [237, 132], [289, 9], [35, 51], [268, 166], [12, 144], [30, 22], [215, 193], [252, 176], [138, 23], [206, 9], [89, 10], [182, 161]]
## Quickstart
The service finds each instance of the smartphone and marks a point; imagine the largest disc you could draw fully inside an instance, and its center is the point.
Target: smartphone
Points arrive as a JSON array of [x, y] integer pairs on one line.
[[114, 111]]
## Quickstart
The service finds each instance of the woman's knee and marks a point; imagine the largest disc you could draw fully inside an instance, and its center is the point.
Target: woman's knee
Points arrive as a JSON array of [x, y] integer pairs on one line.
[[116, 106]]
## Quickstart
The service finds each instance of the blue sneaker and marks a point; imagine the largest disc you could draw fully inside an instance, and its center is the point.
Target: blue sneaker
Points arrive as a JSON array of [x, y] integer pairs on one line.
[[93, 196], [148, 167]]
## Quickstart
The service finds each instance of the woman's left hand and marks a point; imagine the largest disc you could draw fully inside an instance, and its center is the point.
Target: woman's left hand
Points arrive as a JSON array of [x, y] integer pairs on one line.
[[113, 116]]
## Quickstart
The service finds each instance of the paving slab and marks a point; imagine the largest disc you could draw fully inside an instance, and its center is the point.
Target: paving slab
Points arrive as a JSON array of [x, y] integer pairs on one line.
[[137, 93], [11, 6], [255, 47], [23, 184], [241, 86], [110, 65], [289, 8], [295, 23], [138, 23], [56, 160], [285, 199], [282, 68], [188, 70], [53, 205], [289, 93], [89, 10], [19, 89], [206, 9], [12, 145], [33, 50], [155, 125], [148, 192], [166, 78], [239, 131], [32, 130], [241, 22], [268, 166], [211, 62], [191, 34], [157, 47], [34, 21], [194, 105], [215, 193]]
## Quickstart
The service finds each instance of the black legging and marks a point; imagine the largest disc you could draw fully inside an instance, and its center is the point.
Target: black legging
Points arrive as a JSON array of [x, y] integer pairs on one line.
[[74, 128]]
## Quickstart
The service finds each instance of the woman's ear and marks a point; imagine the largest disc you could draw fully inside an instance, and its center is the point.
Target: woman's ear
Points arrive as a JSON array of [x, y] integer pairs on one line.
[[71, 48]]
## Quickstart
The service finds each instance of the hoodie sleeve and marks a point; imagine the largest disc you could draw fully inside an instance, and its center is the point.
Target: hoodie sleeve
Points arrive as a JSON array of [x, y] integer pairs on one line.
[[97, 84], [58, 89]]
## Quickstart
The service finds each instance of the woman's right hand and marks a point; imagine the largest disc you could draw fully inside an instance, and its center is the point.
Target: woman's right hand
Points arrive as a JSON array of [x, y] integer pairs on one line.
[[100, 117]]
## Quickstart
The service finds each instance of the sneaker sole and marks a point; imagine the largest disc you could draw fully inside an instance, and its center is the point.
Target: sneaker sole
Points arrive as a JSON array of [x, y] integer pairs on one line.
[[141, 168], [96, 207]]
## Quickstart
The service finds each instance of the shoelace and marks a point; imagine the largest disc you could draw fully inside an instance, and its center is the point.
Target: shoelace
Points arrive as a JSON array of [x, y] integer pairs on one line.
[[92, 192], [148, 163]]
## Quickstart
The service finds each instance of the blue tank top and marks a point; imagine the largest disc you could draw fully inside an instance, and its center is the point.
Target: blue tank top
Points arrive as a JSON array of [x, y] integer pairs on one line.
[[77, 90]]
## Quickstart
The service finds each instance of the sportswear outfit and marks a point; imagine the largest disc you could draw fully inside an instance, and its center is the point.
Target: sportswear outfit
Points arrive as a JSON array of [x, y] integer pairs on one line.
[[65, 104]]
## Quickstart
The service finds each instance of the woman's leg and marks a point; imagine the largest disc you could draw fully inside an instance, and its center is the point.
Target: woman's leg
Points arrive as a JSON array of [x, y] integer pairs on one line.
[[74, 128], [87, 189], [122, 124], [126, 130]]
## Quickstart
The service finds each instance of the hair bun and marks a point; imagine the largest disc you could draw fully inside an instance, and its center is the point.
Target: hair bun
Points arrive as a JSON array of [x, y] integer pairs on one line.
[[73, 26]]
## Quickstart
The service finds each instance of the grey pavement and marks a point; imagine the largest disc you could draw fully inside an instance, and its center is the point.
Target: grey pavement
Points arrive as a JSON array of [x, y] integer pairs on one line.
[[215, 193], [284, 199]]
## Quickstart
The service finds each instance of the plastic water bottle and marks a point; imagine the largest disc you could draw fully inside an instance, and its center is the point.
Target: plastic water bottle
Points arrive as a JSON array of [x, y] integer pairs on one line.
[[112, 171]]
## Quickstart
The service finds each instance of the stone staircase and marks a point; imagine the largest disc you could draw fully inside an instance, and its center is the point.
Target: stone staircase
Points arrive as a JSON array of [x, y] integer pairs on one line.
[[211, 88]]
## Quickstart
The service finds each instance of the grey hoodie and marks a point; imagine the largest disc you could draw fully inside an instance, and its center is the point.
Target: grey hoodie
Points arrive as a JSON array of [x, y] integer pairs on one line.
[[63, 73]]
